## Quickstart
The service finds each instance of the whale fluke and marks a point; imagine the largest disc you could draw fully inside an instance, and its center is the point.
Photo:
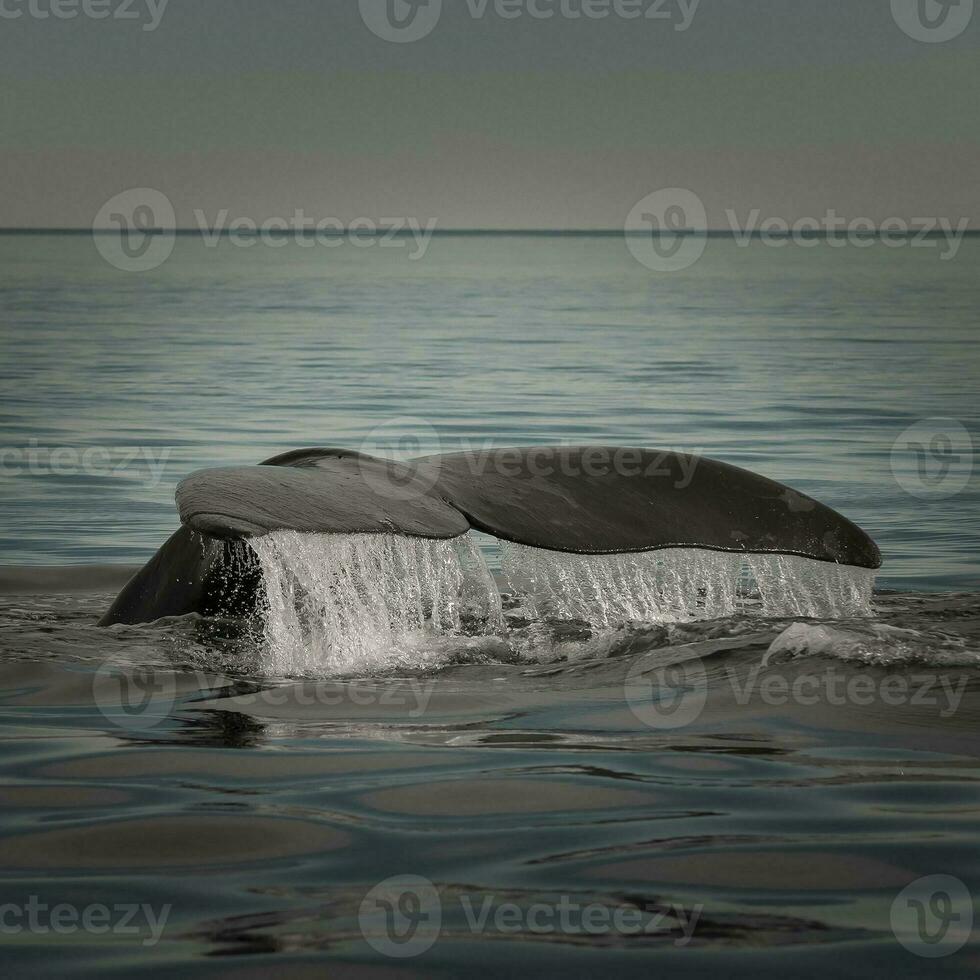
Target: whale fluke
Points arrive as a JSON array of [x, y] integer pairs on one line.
[[205, 566], [589, 500], [339, 495], [605, 500]]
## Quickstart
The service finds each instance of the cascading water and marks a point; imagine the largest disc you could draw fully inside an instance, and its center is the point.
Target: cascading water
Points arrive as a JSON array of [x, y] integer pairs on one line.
[[337, 603], [681, 584], [792, 586], [356, 602]]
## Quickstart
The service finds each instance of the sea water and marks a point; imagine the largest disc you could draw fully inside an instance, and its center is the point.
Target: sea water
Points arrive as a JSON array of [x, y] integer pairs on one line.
[[765, 758]]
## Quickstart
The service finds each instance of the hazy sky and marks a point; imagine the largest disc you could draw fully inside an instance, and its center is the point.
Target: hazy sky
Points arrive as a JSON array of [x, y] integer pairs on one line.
[[265, 106]]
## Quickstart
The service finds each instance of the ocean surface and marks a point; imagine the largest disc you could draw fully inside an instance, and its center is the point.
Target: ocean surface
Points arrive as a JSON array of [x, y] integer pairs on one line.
[[559, 792]]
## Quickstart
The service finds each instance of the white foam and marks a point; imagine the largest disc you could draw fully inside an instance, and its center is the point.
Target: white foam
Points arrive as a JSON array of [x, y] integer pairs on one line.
[[682, 584], [339, 603], [874, 643]]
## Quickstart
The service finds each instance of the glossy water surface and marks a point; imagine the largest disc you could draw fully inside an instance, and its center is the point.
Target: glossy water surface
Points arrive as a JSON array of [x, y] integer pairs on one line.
[[749, 795]]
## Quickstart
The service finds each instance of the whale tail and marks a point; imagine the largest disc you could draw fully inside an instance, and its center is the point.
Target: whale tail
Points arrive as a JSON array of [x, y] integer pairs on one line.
[[586, 500]]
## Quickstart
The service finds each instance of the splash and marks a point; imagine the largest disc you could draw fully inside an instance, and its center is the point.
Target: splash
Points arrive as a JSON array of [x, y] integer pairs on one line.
[[682, 584], [341, 603], [878, 644]]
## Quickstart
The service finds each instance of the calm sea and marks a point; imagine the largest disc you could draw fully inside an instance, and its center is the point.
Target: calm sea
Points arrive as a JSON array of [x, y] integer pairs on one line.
[[245, 822]]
